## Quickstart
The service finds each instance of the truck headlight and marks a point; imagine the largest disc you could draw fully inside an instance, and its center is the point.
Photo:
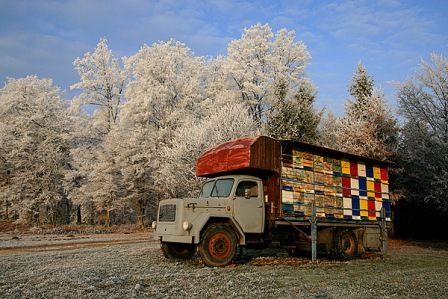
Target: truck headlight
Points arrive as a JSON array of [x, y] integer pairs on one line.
[[154, 224], [186, 226]]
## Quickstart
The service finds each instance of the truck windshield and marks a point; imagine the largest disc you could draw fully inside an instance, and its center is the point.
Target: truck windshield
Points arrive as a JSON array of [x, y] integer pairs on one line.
[[218, 188]]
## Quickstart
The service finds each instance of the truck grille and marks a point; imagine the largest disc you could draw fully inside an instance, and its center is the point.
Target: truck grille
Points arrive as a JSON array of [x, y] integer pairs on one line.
[[167, 213]]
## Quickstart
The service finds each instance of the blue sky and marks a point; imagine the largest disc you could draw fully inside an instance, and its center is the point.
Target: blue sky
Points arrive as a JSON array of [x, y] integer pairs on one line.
[[390, 37]]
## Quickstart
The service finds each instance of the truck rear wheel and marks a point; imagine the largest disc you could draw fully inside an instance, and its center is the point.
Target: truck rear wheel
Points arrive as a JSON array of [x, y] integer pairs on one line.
[[178, 251], [218, 245], [345, 244]]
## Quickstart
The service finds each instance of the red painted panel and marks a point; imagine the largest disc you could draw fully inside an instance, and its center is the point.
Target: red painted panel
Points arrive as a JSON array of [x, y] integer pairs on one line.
[[377, 187], [346, 186], [346, 182], [354, 169], [371, 207], [384, 175]]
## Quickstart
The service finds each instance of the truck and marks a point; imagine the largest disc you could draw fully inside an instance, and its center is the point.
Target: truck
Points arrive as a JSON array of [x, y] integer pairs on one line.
[[262, 192]]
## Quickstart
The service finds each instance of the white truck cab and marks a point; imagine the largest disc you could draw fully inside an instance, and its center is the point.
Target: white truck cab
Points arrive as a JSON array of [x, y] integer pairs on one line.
[[233, 206]]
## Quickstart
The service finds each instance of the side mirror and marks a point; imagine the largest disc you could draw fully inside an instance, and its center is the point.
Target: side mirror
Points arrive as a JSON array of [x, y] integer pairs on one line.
[[247, 193]]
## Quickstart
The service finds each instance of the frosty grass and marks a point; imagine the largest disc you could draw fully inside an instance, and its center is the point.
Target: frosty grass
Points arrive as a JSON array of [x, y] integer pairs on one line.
[[107, 266]]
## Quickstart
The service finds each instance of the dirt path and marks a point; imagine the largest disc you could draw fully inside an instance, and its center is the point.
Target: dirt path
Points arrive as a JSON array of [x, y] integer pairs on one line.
[[29, 244]]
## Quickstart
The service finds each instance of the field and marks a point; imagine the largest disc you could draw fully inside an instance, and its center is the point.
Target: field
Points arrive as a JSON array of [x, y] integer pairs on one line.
[[128, 265]]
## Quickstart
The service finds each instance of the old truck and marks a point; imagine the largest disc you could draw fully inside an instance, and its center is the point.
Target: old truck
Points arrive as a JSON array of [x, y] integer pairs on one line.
[[262, 192]]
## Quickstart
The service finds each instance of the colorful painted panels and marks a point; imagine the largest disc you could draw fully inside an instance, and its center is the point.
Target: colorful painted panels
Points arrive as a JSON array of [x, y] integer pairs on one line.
[[340, 187]]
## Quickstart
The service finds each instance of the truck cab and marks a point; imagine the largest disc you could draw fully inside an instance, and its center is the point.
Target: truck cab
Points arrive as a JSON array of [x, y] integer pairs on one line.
[[228, 209]]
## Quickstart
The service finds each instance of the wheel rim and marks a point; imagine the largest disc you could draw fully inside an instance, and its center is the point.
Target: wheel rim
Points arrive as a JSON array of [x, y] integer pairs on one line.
[[219, 246]]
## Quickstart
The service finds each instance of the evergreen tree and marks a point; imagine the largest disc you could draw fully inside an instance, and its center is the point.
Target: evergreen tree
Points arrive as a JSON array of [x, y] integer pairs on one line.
[[361, 89], [294, 118], [368, 127]]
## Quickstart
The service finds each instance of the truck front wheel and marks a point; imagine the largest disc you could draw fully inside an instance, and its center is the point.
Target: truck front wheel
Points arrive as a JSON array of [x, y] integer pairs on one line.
[[178, 250], [345, 244], [218, 245]]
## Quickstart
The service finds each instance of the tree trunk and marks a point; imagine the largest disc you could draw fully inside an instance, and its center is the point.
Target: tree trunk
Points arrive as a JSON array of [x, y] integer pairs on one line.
[[78, 215], [141, 214], [51, 214], [107, 218], [6, 210]]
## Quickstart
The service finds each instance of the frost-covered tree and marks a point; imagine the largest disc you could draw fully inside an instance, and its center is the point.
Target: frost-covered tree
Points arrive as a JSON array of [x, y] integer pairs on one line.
[[102, 85], [108, 176], [370, 105], [136, 169], [218, 88], [294, 118], [375, 119], [368, 127], [361, 89], [328, 130], [374, 136], [166, 88], [104, 186], [86, 146], [164, 94], [102, 82], [259, 62], [423, 103], [4, 178], [176, 175], [33, 147]]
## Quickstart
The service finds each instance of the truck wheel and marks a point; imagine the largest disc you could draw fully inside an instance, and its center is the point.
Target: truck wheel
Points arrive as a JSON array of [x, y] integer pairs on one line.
[[178, 251], [345, 244], [218, 245]]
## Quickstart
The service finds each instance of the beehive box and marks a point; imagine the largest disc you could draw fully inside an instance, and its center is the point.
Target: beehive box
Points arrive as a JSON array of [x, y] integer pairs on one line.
[[341, 187]]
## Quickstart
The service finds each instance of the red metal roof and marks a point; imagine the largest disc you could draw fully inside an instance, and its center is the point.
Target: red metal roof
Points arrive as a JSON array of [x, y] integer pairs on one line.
[[228, 156]]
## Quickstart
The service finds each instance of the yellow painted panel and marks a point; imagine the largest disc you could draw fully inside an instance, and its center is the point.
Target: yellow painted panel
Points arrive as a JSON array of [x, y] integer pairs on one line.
[[345, 166], [364, 207], [376, 172]]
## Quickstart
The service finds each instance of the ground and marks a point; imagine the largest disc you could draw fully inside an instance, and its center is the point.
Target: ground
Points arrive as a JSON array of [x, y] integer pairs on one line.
[[86, 262]]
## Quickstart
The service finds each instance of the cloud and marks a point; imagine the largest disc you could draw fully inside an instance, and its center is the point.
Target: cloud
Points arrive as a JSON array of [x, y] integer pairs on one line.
[[376, 27], [23, 54], [44, 37]]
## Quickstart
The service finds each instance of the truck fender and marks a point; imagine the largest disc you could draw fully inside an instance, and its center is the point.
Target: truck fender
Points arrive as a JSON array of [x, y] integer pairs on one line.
[[202, 219]]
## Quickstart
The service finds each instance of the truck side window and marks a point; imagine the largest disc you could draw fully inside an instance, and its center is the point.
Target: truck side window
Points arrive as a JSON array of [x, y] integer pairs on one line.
[[244, 185]]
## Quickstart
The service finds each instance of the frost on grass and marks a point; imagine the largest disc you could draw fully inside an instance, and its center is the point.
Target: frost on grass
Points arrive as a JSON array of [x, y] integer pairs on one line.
[[141, 271]]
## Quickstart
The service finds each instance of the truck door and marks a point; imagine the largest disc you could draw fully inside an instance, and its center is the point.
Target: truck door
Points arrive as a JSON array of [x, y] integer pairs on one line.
[[249, 206]]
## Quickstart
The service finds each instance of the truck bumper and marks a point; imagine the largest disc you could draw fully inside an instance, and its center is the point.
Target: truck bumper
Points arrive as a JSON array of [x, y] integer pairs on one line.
[[172, 238]]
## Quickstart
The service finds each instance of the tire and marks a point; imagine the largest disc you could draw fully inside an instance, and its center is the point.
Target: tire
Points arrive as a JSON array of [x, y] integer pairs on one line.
[[178, 251], [345, 244], [218, 245]]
